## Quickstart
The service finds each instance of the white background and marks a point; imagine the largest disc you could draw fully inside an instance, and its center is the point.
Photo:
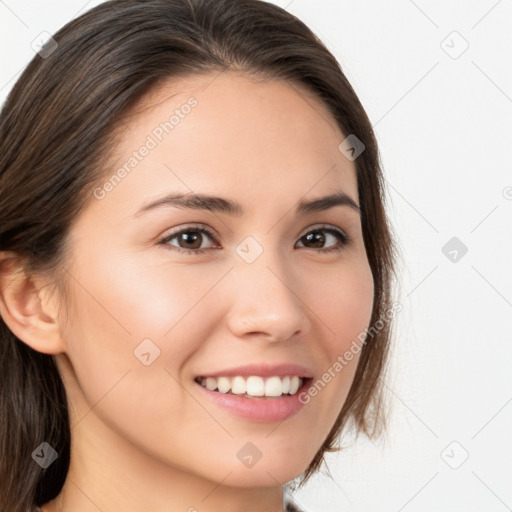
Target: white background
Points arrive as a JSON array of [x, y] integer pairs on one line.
[[444, 129]]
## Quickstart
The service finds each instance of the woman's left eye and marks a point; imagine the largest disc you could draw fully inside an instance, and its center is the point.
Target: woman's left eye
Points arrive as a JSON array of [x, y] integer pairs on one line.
[[192, 237], [317, 236]]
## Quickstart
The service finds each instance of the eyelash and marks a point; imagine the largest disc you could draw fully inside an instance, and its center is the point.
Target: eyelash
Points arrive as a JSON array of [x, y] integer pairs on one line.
[[342, 237]]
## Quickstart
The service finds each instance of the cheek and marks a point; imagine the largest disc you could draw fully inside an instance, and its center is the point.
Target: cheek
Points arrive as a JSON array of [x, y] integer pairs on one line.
[[154, 313], [343, 305], [343, 302], [157, 299], [127, 314], [130, 298]]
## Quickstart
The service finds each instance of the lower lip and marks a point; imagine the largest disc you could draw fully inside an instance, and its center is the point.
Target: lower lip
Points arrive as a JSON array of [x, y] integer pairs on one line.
[[259, 409]]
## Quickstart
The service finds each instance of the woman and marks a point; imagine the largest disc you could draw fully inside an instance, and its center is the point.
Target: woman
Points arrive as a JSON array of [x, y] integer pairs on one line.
[[194, 259]]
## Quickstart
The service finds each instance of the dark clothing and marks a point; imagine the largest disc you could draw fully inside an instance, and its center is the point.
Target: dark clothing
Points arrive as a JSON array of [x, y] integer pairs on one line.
[[288, 506]]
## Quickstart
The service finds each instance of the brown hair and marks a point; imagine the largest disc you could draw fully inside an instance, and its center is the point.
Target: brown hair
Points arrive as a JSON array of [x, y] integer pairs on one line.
[[56, 130]]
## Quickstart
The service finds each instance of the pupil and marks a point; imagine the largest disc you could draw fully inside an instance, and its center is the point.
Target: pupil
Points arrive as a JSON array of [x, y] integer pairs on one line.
[[316, 237], [190, 238]]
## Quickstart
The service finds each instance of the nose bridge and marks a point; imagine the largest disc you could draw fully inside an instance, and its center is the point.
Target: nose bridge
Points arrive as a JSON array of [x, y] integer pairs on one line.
[[264, 298]]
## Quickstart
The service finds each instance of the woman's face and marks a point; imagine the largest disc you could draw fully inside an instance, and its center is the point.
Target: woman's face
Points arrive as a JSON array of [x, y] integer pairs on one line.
[[153, 310]]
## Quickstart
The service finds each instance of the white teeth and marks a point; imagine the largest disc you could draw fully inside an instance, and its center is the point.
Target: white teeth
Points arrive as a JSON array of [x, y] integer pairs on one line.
[[254, 385], [211, 383], [294, 385], [286, 385], [238, 386], [224, 384], [273, 387]]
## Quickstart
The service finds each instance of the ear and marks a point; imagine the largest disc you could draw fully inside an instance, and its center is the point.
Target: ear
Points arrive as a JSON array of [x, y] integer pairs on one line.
[[27, 308]]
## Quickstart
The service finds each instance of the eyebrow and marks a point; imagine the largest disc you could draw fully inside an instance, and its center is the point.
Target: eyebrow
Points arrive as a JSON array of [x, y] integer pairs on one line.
[[230, 207]]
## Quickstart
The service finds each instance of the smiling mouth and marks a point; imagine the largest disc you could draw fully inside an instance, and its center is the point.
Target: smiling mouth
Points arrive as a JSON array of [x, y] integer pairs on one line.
[[254, 386]]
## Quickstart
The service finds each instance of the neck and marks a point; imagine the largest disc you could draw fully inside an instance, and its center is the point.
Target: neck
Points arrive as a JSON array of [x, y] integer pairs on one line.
[[110, 474]]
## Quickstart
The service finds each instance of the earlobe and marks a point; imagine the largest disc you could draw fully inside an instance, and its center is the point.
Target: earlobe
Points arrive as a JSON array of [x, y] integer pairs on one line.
[[24, 308]]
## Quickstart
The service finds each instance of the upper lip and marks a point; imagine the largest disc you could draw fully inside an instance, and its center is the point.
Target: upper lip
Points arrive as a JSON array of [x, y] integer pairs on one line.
[[263, 370]]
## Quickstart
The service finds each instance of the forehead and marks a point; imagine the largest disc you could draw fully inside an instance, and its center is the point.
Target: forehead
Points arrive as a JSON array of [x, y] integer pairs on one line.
[[230, 130]]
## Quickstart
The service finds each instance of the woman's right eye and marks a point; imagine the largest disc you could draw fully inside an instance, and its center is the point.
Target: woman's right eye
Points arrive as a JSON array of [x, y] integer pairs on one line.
[[193, 236]]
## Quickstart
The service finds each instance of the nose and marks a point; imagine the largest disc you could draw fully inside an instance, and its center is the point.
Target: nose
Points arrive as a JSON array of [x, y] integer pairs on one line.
[[266, 301]]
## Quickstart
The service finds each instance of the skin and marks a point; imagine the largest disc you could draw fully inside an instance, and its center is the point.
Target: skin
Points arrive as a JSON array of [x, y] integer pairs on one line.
[[144, 437]]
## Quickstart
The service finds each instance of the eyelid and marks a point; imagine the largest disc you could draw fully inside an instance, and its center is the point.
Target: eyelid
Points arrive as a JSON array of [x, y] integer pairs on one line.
[[186, 227], [318, 227], [190, 227]]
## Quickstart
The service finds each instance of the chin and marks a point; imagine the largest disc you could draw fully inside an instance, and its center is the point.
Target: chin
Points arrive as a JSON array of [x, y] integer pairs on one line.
[[262, 479], [270, 473]]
